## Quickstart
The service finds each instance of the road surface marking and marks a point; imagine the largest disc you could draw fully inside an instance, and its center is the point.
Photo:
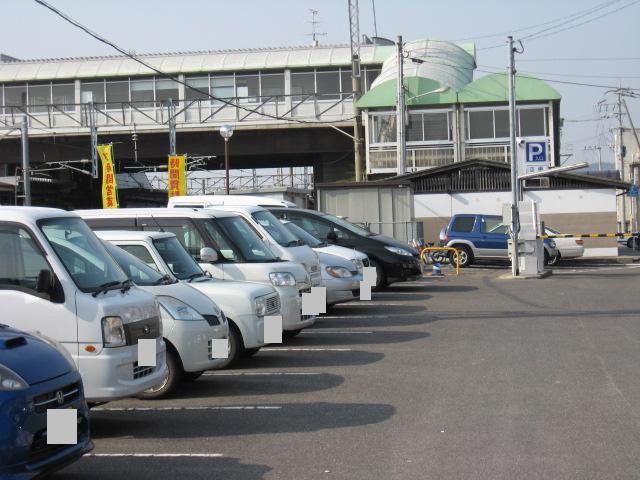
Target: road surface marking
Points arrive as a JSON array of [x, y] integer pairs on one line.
[[233, 374], [292, 349], [161, 455], [154, 409]]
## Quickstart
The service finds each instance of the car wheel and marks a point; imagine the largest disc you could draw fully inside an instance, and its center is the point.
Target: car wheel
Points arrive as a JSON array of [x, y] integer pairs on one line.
[[171, 379], [290, 333], [555, 260], [631, 242], [191, 376], [465, 256], [236, 347], [381, 277], [249, 352]]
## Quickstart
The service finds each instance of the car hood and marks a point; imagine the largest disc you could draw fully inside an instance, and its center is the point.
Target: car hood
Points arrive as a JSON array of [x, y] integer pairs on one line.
[[186, 294], [30, 357], [392, 242], [347, 253]]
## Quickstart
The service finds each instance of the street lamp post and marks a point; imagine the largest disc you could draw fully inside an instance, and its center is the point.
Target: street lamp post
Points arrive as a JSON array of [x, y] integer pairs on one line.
[[226, 131]]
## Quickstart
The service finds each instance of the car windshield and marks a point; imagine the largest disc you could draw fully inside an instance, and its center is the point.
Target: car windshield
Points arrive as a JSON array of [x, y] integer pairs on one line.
[[277, 231], [237, 241], [181, 264], [348, 225], [138, 272], [83, 255], [307, 238]]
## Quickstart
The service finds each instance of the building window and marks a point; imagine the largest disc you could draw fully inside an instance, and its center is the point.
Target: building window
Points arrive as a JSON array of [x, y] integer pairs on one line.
[[117, 92], [64, 96], [383, 128], [92, 92], [480, 124], [201, 83], [501, 119], [222, 87], [415, 128], [167, 89], [302, 84], [371, 74], [142, 93], [532, 122], [248, 88], [272, 85], [328, 85], [436, 126], [15, 96], [493, 123], [39, 98]]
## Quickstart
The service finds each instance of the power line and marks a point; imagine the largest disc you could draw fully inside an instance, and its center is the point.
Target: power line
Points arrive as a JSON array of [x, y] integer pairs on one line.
[[175, 79], [577, 75], [579, 59]]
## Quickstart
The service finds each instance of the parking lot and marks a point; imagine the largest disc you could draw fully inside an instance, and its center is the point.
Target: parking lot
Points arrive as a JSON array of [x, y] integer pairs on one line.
[[456, 377]]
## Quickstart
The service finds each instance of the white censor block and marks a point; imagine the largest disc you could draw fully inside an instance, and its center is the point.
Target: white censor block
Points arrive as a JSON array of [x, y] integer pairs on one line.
[[147, 352], [369, 276], [273, 329], [62, 426], [315, 303], [219, 348]]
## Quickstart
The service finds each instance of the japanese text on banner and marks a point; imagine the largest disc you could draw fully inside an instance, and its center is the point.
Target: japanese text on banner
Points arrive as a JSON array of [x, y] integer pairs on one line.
[[109, 186], [177, 176]]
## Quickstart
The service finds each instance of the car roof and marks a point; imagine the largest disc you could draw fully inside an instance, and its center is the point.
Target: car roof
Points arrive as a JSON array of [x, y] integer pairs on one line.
[[249, 200], [156, 212], [32, 214], [132, 235], [234, 208]]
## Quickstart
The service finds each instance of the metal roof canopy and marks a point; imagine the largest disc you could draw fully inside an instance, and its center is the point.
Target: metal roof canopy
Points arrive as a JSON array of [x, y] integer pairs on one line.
[[190, 62]]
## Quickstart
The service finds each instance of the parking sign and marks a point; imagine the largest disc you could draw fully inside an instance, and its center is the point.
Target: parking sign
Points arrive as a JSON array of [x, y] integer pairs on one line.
[[535, 159]]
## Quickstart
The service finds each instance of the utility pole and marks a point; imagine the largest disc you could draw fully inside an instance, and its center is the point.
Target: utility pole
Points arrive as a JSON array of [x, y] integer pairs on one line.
[[26, 177], [400, 112], [620, 155], [635, 174], [171, 109], [93, 130], [514, 159], [314, 28], [354, 31]]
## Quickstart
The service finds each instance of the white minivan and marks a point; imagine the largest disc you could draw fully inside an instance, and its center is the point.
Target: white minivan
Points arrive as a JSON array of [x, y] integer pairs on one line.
[[57, 278], [190, 321], [245, 303], [238, 252]]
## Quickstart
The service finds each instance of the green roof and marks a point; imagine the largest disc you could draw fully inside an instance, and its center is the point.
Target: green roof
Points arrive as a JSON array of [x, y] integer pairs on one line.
[[488, 89], [495, 88], [384, 95]]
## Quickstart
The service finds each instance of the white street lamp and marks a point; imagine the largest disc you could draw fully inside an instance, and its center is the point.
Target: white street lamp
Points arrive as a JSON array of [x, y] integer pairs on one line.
[[442, 89], [225, 132]]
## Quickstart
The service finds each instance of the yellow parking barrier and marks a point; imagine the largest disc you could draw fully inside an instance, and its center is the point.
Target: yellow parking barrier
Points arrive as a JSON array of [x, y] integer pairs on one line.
[[456, 255]]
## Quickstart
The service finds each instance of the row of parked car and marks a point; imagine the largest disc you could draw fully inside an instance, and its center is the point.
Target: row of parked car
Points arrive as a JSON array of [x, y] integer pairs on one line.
[[90, 285]]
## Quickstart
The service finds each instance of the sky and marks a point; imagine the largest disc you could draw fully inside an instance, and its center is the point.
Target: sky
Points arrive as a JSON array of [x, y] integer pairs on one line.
[[605, 52]]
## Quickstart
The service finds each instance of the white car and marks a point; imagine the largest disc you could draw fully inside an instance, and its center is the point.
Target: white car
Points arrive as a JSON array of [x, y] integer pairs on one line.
[[245, 303], [190, 322], [566, 247]]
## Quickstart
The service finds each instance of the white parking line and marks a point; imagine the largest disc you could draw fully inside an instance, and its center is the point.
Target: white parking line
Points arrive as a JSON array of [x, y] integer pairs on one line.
[[320, 330], [249, 374], [291, 349], [372, 303], [161, 455], [154, 409]]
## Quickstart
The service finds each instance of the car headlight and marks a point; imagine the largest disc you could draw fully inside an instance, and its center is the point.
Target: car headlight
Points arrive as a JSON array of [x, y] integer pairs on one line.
[[10, 380], [261, 306], [282, 279], [178, 310], [113, 332], [399, 251], [338, 272], [552, 244]]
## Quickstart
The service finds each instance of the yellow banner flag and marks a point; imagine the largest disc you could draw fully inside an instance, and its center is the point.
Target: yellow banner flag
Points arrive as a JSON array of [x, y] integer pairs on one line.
[[177, 175], [109, 186]]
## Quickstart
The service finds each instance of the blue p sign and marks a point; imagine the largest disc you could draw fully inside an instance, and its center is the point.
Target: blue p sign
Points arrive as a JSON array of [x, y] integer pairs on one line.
[[536, 152]]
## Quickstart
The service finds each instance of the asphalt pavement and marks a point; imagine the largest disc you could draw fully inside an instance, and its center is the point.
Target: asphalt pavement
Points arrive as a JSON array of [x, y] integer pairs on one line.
[[455, 377]]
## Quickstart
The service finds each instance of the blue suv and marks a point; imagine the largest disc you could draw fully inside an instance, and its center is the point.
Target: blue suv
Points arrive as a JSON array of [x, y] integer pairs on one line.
[[36, 375], [478, 236]]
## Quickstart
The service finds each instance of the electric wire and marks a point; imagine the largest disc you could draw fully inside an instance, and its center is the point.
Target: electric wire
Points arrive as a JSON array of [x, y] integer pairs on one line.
[[171, 77]]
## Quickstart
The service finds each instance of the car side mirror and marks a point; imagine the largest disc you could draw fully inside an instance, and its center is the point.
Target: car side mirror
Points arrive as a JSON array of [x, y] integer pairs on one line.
[[332, 237], [208, 255]]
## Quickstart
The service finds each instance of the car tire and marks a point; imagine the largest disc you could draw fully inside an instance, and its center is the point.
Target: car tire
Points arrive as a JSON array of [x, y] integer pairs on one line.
[[631, 242], [236, 347], [249, 352], [465, 256], [553, 260], [381, 276], [191, 376], [290, 333], [173, 377]]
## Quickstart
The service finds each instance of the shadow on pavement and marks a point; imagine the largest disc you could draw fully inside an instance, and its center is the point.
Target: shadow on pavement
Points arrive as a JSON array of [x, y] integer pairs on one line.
[[363, 308], [378, 337], [306, 359], [367, 321], [239, 385], [291, 417], [158, 468]]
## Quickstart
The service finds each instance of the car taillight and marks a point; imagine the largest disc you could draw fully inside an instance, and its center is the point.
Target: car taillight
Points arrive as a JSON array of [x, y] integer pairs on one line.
[[446, 238], [579, 242]]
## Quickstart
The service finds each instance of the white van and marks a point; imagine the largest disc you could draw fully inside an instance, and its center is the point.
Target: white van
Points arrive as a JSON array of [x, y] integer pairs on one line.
[[57, 278], [190, 320], [238, 252], [204, 201], [245, 303]]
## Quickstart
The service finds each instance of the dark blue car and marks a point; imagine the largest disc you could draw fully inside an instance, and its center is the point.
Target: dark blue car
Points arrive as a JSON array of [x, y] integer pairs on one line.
[[477, 236], [36, 376]]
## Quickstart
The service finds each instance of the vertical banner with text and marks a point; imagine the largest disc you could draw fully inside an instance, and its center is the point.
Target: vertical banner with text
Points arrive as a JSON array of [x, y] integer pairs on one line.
[[177, 175], [109, 186]]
